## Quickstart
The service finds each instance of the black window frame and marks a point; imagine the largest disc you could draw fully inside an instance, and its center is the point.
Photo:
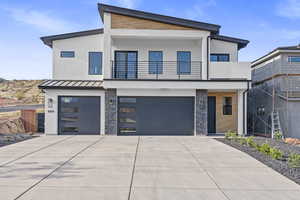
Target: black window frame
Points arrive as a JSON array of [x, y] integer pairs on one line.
[[158, 70], [218, 57], [227, 108], [64, 56], [89, 63], [179, 72]]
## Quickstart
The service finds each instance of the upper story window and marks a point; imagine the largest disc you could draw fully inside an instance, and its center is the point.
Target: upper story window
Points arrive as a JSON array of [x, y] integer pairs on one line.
[[155, 62], [216, 57], [183, 62], [67, 54], [95, 63], [227, 105], [294, 59]]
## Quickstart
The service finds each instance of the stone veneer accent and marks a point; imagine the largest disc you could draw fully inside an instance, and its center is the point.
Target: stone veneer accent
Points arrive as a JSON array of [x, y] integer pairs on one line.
[[201, 112], [111, 112]]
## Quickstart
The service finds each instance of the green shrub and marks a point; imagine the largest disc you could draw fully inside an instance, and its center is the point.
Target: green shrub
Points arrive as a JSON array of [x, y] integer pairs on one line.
[[276, 153], [257, 146], [241, 140], [265, 148], [250, 142], [294, 160], [231, 135], [278, 135]]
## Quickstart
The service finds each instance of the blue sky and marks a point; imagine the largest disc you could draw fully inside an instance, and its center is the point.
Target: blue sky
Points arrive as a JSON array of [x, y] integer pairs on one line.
[[267, 24]]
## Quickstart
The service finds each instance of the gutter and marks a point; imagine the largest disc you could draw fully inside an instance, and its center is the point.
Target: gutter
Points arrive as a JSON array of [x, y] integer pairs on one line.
[[244, 102]]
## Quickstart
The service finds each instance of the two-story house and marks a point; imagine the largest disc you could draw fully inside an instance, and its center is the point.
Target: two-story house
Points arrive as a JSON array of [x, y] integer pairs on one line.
[[146, 74], [275, 94]]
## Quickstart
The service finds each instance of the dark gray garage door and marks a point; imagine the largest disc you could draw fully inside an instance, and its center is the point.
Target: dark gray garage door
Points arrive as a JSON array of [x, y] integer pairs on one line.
[[78, 115], [156, 115]]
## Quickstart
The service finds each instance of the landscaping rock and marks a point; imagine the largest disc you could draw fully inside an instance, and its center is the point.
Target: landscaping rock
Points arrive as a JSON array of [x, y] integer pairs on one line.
[[12, 126], [280, 166]]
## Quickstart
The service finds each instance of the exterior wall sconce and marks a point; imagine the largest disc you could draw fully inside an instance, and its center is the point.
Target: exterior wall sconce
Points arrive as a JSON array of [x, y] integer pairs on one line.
[[50, 103], [261, 110]]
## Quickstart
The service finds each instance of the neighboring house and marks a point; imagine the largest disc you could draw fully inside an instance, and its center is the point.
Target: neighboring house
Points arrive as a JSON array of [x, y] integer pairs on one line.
[[146, 74], [274, 100]]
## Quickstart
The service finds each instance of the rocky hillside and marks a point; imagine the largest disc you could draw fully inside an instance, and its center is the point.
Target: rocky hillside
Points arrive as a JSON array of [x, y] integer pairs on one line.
[[17, 92]]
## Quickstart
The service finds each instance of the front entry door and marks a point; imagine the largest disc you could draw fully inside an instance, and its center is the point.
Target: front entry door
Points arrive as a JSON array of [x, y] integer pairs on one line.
[[211, 115], [126, 64]]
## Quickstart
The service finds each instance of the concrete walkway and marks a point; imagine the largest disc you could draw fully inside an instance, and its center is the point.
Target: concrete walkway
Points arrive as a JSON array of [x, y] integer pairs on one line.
[[136, 168]]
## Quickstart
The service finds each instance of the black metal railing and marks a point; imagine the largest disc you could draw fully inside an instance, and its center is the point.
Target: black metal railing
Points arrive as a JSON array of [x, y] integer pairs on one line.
[[158, 70]]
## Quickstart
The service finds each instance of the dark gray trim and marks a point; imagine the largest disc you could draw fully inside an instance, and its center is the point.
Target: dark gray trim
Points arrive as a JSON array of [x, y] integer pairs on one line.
[[241, 42], [188, 80], [214, 28], [287, 48], [49, 39]]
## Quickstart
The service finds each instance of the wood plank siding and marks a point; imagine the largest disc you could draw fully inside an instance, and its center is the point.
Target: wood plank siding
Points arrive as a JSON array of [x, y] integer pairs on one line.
[[127, 22]]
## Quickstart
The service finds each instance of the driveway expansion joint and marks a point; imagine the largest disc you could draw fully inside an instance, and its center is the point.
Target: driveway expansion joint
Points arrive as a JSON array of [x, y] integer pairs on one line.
[[133, 168], [35, 151], [61, 165], [207, 173]]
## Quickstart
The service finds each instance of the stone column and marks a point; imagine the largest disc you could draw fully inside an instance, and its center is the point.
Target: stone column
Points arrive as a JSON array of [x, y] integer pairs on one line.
[[201, 112], [111, 112]]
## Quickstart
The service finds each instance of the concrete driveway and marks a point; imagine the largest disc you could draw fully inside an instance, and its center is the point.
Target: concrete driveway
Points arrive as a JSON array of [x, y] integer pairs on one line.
[[141, 168]]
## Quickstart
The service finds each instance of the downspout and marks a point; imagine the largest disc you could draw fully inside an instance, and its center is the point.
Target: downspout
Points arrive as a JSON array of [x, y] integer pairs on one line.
[[207, 56], [244, 106]]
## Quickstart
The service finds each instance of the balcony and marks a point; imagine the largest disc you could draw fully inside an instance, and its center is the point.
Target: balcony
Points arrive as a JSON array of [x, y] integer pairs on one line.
[[230, 70], [156, 70]]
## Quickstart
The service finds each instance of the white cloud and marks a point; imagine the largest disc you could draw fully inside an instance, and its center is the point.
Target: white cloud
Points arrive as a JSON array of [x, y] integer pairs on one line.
[[198, 11], [289, 9], [42, 20]]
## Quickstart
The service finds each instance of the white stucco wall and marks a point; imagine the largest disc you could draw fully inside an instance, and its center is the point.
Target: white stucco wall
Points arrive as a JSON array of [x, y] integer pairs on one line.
[[51, 114], [76, 68], [227, 70], [218, 46]]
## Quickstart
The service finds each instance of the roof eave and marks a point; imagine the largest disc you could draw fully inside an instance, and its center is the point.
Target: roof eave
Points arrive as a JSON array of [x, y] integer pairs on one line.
[[214, 28], [240, 42], [47, 40], [271, 55]]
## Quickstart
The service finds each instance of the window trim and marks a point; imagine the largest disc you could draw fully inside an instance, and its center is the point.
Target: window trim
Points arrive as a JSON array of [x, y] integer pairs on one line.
[[178, 66], [62, 52], [101, 63], [162, 67], [290, 61], [225, 105], [219, 54]]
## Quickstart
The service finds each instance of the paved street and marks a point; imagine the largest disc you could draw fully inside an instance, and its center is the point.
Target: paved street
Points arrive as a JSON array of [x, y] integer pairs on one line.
[[136, 168]]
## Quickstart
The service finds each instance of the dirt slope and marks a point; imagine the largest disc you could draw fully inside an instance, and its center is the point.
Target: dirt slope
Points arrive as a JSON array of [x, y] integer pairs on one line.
[[16, 92]]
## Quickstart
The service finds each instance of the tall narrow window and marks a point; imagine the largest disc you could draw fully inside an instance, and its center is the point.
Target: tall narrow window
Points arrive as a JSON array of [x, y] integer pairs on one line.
[[183, 62], [95, 63], [155, 62], [227, 106]]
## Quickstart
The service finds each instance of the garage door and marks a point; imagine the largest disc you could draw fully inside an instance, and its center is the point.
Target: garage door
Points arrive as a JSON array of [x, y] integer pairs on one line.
[[156, 116], [78, 115]]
